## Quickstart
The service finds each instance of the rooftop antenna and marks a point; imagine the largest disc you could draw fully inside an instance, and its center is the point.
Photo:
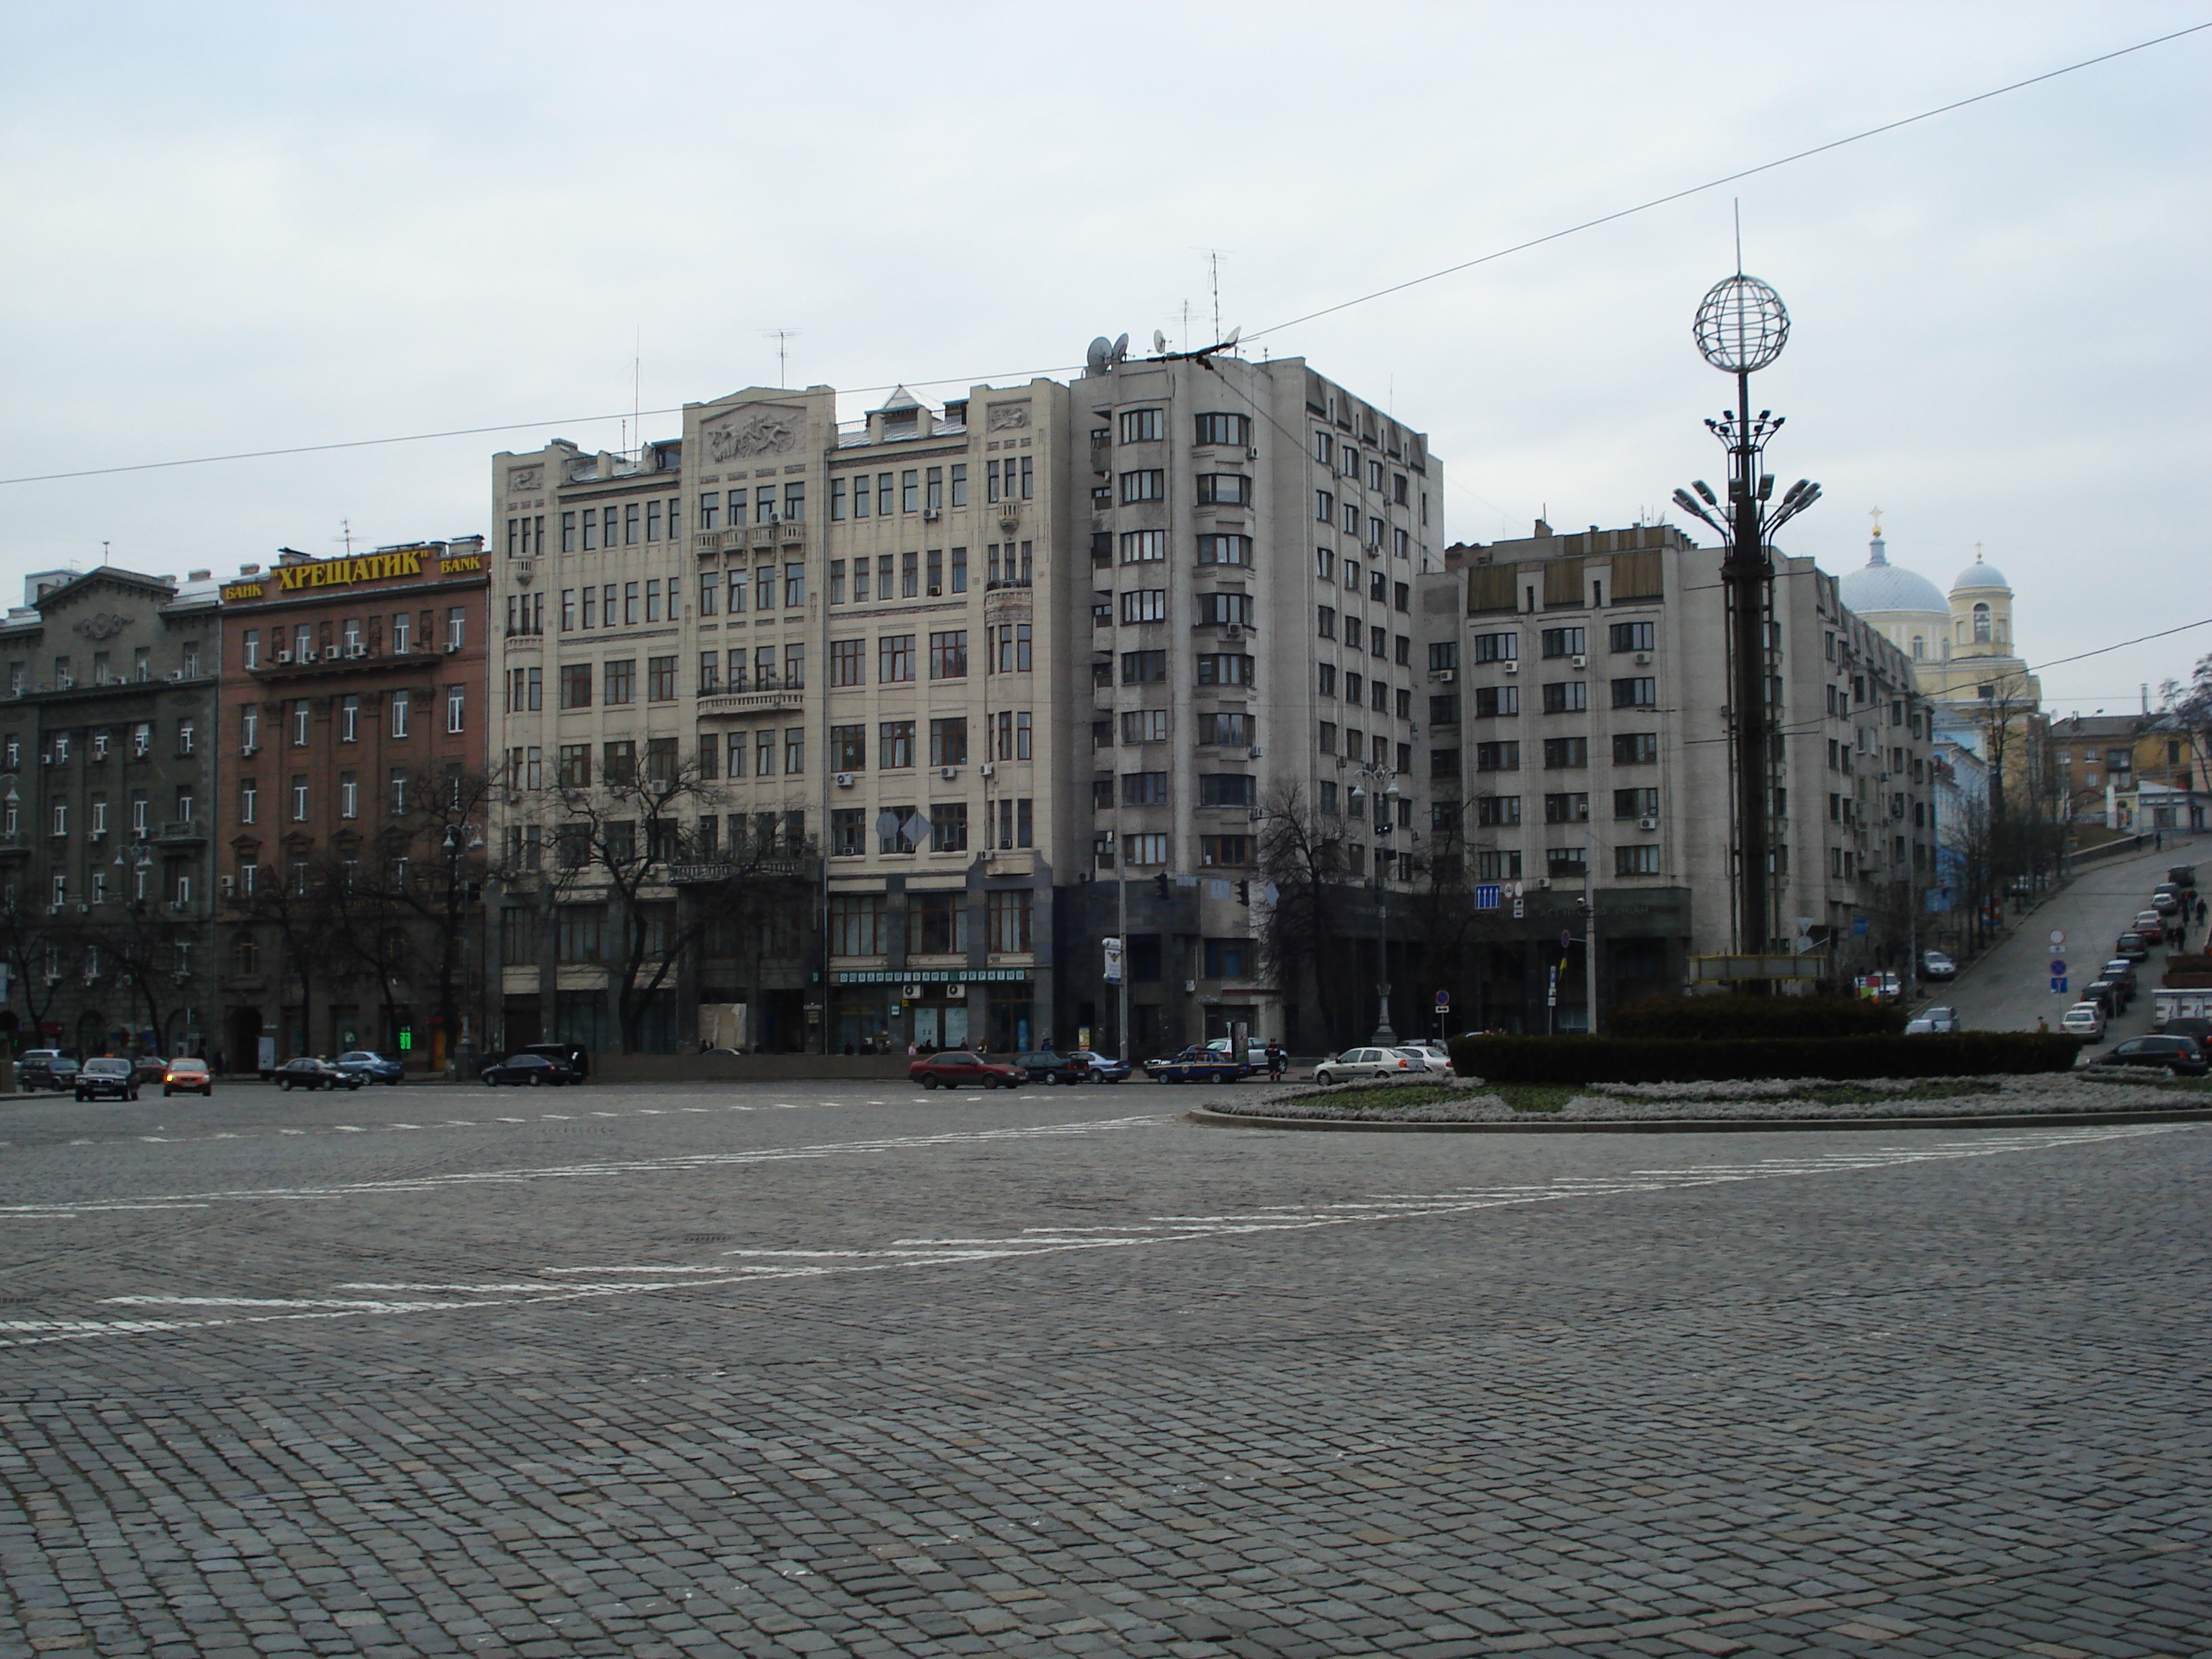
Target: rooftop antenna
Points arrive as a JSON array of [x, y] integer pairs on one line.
[[346, 535], [637, 385], [1736, 202], [103, 552], [781, 336]]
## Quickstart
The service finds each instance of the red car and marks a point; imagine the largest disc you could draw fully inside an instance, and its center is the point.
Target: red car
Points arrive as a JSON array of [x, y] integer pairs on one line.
[[955, 1066]]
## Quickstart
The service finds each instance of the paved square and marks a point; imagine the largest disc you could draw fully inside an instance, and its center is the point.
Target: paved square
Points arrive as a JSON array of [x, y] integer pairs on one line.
[[808, 1370]]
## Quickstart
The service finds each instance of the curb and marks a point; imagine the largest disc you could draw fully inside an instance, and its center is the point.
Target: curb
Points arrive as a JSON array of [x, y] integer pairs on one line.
[[1711, 1125]]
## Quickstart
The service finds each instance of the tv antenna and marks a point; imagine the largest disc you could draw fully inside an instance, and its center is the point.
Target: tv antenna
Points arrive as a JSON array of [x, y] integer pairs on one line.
[[781, 336], [346, 535]]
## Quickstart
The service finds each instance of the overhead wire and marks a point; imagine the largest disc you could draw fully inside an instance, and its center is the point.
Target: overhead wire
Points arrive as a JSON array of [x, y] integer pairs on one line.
[[1065, 368]]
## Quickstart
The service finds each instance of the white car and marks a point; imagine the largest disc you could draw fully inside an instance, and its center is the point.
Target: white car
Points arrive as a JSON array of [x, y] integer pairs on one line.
[[2084, 1019], [1433, 1055], [1366, 1062]]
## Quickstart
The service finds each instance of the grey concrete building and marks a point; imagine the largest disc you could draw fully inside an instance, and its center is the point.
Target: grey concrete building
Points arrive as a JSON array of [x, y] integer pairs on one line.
[[107, 760]]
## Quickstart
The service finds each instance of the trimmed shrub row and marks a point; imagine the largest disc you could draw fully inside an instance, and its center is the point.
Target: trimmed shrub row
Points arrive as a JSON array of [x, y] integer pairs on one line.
[[1708, 1018], [1618, 1059]]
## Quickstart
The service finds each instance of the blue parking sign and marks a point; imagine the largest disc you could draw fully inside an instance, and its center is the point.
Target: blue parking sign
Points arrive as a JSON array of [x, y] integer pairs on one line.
[[2058, 983]]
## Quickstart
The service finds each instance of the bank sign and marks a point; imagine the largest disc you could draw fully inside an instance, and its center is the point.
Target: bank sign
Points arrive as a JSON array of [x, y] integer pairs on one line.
[[398, 565]]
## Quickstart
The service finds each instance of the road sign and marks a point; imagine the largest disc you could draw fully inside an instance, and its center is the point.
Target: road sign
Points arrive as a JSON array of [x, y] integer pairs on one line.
[[2058, 983], [2057, 936], [1486, 895], [1443, 999], [2057, 968], [1567, 937], [1520, 909], [1859, 927]]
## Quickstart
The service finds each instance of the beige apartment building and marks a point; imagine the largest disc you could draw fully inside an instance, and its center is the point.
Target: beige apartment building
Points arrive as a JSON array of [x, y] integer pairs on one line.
[[967, 670], [1579, 723]]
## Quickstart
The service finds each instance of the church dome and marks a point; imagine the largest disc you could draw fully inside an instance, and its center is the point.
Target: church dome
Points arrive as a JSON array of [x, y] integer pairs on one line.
[[1980, 574], [1879, 586]]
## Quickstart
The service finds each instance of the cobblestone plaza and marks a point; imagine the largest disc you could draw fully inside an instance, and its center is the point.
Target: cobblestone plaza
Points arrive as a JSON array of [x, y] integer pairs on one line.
[[803, 1369]]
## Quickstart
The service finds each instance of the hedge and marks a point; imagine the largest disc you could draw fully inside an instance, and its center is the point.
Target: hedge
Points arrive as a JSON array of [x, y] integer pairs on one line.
[[1617, 1060], [1710, 1017]]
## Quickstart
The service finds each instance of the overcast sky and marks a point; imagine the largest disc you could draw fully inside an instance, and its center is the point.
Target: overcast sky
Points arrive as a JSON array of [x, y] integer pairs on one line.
[[235, 227]]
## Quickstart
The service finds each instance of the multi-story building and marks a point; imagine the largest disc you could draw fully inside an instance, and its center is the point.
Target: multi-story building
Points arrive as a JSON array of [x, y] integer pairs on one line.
[[2128, 772], [350, 824], [1579, 737], [1021, 673], [105, 745]]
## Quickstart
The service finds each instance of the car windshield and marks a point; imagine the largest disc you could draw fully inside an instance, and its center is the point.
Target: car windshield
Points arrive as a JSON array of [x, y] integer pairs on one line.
[[107, 1067], [188, 1066]]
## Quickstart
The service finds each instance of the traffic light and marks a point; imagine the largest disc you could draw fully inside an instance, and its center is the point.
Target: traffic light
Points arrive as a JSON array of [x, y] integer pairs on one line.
[[1160, 884], [1244, 892]]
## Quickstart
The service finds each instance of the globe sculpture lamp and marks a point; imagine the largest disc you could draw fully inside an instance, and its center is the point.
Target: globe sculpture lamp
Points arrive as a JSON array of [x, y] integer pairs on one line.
[[1741, 325]]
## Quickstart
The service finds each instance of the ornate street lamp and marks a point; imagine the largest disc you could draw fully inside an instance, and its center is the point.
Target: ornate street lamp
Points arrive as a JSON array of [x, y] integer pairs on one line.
[[1740, 328]]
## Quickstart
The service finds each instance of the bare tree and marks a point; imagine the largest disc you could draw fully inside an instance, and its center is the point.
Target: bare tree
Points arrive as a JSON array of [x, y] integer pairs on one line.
[[428, 874], [1303, 932], [42, 951]]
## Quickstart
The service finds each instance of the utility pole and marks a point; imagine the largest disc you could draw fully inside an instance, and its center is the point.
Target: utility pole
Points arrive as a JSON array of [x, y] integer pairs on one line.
[[1589, 934]]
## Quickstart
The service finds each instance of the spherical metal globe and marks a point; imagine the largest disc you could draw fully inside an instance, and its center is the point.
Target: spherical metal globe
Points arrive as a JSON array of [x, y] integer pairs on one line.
[[1741, 325]]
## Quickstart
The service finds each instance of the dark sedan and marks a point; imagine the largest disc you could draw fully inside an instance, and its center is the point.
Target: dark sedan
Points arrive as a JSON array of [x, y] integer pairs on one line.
[[309, 1073], [107, 1079], [373, 1067], [529, 1071], [955, 1066], [2180, 1055]]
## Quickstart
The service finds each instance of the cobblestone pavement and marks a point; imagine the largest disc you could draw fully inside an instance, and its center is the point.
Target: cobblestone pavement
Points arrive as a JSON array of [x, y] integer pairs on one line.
[[784, 1370]]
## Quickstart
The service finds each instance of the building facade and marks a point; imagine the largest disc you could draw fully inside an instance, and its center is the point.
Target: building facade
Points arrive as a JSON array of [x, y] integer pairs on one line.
[[1579, 738], [993, 681], [107, 748], [349, 822]]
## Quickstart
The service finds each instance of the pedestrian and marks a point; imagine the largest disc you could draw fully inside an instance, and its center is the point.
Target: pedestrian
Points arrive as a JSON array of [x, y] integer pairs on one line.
[[2042, 1024], [1275, 1061]]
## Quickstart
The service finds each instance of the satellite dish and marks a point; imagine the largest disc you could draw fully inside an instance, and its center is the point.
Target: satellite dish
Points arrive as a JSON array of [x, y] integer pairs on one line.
[[1121, 349], [1159, 342], [1100, 353], [1233, 333]]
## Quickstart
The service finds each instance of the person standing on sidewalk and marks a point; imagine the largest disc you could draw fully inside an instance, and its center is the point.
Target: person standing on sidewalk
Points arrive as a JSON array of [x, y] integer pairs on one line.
[[1276, 1061]]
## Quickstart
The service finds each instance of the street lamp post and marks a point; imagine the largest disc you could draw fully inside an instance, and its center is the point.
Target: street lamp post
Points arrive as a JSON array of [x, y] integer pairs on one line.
[[1742, 327], [1383, 781]]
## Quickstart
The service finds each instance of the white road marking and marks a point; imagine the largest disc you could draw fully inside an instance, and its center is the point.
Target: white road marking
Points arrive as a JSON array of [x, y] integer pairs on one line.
[[910, 1254]]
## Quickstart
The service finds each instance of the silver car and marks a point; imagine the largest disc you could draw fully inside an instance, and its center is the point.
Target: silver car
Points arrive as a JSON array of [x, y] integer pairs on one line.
[[1932, 1022], [1355, 1063], [1433, 1055]]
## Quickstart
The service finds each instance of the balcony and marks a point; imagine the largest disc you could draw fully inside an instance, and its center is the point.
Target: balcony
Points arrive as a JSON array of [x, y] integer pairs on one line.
[[182, 832], [760, 700]]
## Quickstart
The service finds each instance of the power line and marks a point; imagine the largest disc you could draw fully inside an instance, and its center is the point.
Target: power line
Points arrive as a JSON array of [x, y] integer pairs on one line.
[[1069, 368], [1729, 179], [2122, 645]]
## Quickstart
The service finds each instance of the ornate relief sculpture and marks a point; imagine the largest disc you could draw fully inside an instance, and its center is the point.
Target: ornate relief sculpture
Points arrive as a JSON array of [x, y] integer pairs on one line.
[[765, 432]]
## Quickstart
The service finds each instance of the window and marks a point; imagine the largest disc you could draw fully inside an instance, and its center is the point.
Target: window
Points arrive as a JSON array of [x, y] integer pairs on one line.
[[1637, 749], [1443, 708], [948, 655], [660, 680], [1497, 647], [856, 922], [1563, 641], [1641, 692], [1631, 636], [1140, 426], [1143, 667], [575, 685], [1225, 489], [1493, 701], [457, 708], [1227, 959], [948, 741], [1566, 809], [1145, 725], [895, 744], [1008, 645], [1324, 564], [1235, 608], [1497, 866], [1325, 680], [398, 790], [710, 672], [1225, 549], [960, 494], [1226, 789], [1497, 812], [1147, 485], [1640, 860], [402, 703], [574, 766], [1144, 788], [1225, 668], [846, 662], [893, 658], [847, 839], [1565, 754], [618, 683], [948, 832], [1144, 605], [794, 584], [1498, 757], [1143, 546], [1355, 687], [794, 750], [764, 588], [1148, 849], [1324, 506], [1234, 850], [1566, 697], [618, 761], [1564, 861], [1012, 735], [1636, 803]]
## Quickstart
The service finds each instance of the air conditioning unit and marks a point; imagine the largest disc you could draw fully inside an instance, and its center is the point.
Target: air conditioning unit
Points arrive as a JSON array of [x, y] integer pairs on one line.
[[844, 780], [1511, 666], [176, 674], [356, 651], [1643, 660], [932, 514], [1232, 632], [228, 885], [987, 770], [452, 645], [1443, 675], [284, 659], [948, 773], [1581, 662], [936, 593], [1541, 881], [251, 748], [1254, 752], [1647, 823]]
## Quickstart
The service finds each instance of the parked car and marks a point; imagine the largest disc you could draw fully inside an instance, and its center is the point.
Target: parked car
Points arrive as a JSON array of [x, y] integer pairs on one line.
[[47, 1068], [1076, 1065], [188, 1076], [955, 1066], [1202, 1063], [1256, 1052], [1434, 1056], [2131, 946], [309, 1073], [2151, 925], [150, 1067], [107, 1078], [2166, 899], [2121, 968], [373, 1067], [1103, 1069], [2190, 1026], [528, 1070], [1356, 1063], [1933, 1021], [2083, 1019], [2182, 1056], [1934, 964], [574, 1055], [2183, 876], [2108, 995]]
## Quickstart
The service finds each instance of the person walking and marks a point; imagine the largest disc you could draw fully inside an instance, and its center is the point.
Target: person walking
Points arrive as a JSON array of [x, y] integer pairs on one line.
[[1276, 1060]]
